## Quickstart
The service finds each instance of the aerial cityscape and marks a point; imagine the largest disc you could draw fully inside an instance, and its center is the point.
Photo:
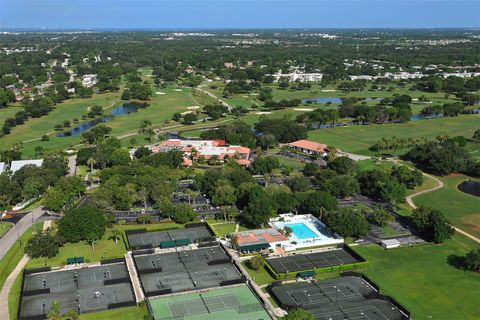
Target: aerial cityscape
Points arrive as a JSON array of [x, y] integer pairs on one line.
[[239, 160]]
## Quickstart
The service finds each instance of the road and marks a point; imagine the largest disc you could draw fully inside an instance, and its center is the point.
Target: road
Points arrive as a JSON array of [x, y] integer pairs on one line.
[[8, 240], [72, 165]]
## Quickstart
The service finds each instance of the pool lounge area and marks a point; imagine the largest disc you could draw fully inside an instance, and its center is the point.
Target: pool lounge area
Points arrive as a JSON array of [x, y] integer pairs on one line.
[[307, 231]]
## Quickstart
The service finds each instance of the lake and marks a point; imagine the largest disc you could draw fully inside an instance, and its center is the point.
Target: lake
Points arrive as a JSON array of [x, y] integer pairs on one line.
[[126, 108], [470, 187]]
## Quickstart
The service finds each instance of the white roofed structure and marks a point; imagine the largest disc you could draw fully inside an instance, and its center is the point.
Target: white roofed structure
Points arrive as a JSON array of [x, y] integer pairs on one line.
[[18, 164]]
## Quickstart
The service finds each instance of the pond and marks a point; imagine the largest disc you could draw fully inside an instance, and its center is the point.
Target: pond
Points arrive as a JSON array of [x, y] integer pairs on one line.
[[126, 108], [415, 117], [470, 187]]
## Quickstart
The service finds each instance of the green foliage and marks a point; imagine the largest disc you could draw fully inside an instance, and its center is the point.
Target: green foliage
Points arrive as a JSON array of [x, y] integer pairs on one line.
[[284, 130], [264, 165], [183, 213], [348, 222], [86, 223], [316, 203], [472, 260], [432, 223], [64, 193], [43, 244], [343, 165], [299, 314], [256, 263], [379, 217]]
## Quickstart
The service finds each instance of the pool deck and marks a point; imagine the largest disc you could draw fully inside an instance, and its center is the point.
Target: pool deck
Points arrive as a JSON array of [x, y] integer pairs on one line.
[[322, 236]]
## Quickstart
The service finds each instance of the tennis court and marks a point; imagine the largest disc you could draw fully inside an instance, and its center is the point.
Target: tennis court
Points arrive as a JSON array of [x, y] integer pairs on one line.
[[186, 270], [310, 261], [157, 238], [225, 303], [84, 290], [336, 299]]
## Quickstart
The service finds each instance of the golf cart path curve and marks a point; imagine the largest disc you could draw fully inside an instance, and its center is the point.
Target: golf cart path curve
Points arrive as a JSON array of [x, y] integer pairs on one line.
[[439, 185]]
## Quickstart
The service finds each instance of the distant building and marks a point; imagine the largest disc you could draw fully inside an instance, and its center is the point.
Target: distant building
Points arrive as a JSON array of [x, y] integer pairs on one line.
[[2, 167], [258, 240], [89, 80], [298, 77], [309, 147], [228, 65], [19, 164], [206, 149], [390, 243]]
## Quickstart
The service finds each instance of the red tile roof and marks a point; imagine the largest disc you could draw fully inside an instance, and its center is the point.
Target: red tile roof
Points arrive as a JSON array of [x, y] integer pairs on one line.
[[309, 145]]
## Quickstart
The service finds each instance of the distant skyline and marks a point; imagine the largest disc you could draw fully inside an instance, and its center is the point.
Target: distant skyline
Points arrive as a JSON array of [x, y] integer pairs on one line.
[[235, 14]]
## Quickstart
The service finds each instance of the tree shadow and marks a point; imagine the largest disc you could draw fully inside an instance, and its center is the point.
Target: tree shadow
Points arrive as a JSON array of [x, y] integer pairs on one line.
[[456, 261]]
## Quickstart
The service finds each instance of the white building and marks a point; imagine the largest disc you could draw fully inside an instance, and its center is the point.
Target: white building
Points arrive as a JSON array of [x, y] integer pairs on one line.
[[2, 167], [89, 80], [18, 164], [390, 243], [301, 77]]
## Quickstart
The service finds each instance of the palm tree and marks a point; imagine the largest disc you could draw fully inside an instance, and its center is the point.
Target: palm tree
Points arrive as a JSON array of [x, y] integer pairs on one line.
[[146, 128], [91, 163], [115, 236]]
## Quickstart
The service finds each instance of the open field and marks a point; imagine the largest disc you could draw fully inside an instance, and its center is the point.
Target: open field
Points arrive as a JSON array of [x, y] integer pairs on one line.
[[127, 313], [422, 281], [462, 209], [261, 276], [366, 136]]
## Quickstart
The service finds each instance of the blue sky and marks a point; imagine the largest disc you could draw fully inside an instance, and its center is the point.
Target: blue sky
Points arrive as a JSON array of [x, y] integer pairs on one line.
[[189, 14]]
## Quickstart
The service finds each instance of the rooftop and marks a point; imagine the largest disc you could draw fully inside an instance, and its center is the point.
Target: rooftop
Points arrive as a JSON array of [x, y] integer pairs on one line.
[[309, 145], [18, 164], [259, 236]]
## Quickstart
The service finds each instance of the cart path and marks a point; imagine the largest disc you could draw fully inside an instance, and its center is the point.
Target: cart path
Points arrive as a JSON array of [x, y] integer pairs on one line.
[[439, 185], [7, 286]]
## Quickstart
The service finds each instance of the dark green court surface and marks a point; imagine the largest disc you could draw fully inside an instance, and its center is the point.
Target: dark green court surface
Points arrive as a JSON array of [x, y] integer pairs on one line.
[[186, 270], [83, 290], [337, 299], [310, 261], [168, 238]]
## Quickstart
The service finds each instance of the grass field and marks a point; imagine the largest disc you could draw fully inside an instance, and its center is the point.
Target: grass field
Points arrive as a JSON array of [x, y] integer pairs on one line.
[[422, 281], [261, 276], [366, 136], [127, 313], [4, 227], [16, 252], [462, 209]]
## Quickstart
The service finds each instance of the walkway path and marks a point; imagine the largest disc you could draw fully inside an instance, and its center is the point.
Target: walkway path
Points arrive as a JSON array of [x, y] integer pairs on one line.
[[7, 286], [72, 165], [215, 97], [439, 185], [9, 239]]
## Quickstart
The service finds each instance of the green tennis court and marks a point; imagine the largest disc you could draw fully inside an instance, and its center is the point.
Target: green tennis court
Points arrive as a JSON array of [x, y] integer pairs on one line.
[[233, 303]]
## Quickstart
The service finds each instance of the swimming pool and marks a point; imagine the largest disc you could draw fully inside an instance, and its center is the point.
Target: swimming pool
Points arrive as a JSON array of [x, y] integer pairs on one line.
[[301, 231]]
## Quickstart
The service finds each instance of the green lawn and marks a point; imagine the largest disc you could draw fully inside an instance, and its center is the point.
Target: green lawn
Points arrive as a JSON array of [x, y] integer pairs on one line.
[[224, 229], [4, 227], [16, 252], [366, 136], [261, 276], [462, 209], [422, 281], [127, 313]]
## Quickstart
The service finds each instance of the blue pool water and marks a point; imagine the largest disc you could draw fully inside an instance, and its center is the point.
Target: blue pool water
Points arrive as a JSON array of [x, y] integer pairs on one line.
[[301, 231]]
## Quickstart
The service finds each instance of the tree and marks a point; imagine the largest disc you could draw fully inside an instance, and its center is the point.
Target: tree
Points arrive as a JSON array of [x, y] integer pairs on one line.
[[54, 313], [342, 185], [316, 203], [343, 165], [189, 118], [476, 135], [83, 223], [71, 315], [299, 314], [224, 195], [256, 262], [348, 222], [183, 213], [115, 235], [379, 217], [472, 260], [432, 224], [147, 129], [144, 218], [43, 244], [120, 157]]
